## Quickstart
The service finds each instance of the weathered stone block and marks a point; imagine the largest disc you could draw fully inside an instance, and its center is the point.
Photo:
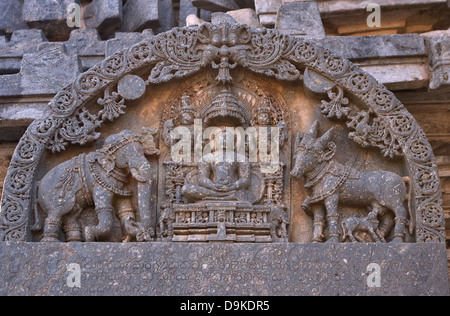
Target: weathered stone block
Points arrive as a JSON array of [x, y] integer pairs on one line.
[[22, 42], [218, 17], [268, 20], [385, 46], [50, 69], [11, 16], [216, 5], [104, 15], [122, 41], [223, 269], [49, 16], [267, 6], [140, 14], [398, 61], [166, 16], [186, 9], [86, 43], [245, 16], [300, 19], [439, 58]]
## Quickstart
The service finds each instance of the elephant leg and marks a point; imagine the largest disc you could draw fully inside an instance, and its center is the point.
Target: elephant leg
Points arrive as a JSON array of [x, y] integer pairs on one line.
[[103, 200], [52, 228], [72, 229], [331, 205], [319, 223]]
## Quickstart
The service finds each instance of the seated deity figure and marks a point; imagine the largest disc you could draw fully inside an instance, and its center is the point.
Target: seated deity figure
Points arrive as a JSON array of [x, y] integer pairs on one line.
[[220, 177]]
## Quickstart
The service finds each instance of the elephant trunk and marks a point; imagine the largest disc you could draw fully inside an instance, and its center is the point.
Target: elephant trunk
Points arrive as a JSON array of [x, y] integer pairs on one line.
[[145, 211]]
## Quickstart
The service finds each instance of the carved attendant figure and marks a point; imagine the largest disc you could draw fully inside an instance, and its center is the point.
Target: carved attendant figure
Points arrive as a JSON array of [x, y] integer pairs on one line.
[[98, 179], [333, 184]]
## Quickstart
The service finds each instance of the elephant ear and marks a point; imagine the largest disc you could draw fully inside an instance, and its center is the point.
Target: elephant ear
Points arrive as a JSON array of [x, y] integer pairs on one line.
[[107, 162]]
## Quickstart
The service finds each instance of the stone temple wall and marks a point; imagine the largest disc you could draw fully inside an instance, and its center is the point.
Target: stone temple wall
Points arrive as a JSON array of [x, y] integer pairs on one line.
[[409, 52]]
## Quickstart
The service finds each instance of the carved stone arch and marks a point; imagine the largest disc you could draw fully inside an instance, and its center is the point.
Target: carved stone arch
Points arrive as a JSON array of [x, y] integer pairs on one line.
[[185, 51]]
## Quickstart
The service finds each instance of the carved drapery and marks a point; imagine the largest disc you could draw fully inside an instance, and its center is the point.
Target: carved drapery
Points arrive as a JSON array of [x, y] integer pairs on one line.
[[184, 51]]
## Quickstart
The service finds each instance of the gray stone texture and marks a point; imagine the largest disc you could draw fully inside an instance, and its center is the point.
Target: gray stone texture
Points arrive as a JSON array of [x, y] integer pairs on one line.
[[216, 5], [22, 42], [48, 70], [373, 47], [222, 269], [300, 19], [11, 16], [245, 16], [140, 14], [104, 15], [49, 16], [87, 44]]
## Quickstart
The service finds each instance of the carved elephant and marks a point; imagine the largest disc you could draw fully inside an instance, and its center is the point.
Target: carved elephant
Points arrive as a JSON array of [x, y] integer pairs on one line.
[[99, 179]]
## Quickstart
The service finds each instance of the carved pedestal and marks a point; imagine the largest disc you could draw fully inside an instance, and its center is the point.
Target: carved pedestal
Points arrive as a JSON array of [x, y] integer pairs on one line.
[[221, 221]]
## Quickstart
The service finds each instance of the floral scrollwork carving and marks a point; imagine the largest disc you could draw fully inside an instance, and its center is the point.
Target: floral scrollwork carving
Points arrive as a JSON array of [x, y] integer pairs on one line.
[[337, 107]]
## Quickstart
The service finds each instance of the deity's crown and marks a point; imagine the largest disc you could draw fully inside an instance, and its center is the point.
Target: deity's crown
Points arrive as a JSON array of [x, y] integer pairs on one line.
[[264, 106], [186, 105], [225, 106]]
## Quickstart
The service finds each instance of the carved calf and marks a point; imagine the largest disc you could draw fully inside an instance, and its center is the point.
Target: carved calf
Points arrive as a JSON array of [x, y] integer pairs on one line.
[[333, 184], [368, 224]]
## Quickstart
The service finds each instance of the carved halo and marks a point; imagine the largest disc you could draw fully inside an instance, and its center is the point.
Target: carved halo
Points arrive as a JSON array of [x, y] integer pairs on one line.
[[184, 51]]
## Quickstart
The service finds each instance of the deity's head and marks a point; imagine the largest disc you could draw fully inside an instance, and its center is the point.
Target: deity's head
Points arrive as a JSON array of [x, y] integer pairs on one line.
[[264, 113], [187, 111]]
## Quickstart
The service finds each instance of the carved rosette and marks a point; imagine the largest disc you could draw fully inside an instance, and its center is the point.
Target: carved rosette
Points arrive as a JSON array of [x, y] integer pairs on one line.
[[184, 51]]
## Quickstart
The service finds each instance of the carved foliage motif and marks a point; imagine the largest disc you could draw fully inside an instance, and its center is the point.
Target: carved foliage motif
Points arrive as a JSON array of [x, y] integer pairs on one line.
[[183, 51]]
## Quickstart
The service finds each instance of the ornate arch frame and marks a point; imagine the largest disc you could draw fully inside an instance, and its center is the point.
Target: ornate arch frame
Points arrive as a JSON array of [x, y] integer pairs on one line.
[[184, 51]]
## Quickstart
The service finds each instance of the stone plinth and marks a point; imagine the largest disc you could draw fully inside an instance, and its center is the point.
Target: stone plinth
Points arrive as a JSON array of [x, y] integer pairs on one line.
[[222, 269]]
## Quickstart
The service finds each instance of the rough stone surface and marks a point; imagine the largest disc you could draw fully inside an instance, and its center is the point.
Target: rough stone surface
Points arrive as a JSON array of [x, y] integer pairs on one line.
[[49, 70], [216, 5], [245, 16], [104, 15], [48, 15], [371, 47], [219, 17], [222, 269], [86, 44], [267, 6], [11, 16], [139, 15], [439, 56], [22, 42], [300, 19]]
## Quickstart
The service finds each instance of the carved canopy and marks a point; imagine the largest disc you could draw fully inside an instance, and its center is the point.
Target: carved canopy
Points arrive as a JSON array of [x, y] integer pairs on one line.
[[185, 51]]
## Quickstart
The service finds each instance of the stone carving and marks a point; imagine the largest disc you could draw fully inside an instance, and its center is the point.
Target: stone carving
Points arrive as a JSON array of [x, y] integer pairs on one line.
[[440, 62], [333, 185], [368, 225], [225, 196], [224, 49], [98, 179]]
